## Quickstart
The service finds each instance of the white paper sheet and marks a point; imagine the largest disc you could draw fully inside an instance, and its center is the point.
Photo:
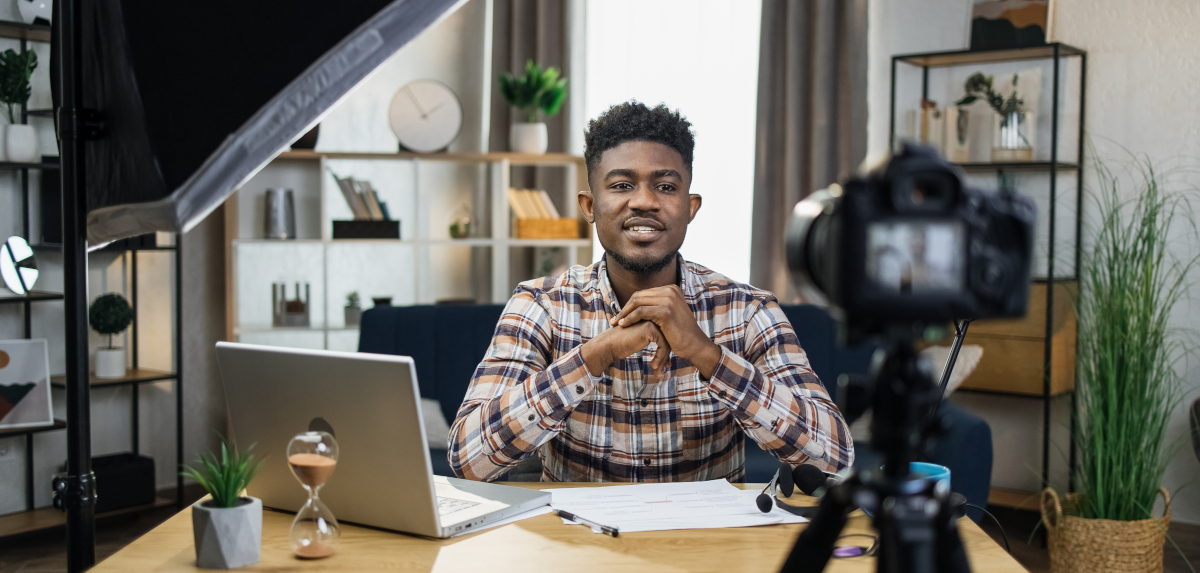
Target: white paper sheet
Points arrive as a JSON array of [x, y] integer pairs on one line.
[[660, 507]]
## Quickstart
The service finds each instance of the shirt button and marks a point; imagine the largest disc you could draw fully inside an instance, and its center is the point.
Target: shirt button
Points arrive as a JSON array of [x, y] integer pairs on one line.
[[579, 389], [647, 460], [531, 417], [721, 394], [645, 403]]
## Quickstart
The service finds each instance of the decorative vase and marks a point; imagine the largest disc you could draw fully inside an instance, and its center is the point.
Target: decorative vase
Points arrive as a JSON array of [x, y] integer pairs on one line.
[[382, 300], [528, 138], [227, 537], [3, 148], [110, 363], [1079, 545], [460, 222], [20, 143], [33, 10], [353, 315], [1012, 136]]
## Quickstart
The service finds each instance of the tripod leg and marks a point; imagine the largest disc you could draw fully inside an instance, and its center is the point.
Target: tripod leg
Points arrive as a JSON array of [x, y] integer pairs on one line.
[[815, 544], [951, 553]]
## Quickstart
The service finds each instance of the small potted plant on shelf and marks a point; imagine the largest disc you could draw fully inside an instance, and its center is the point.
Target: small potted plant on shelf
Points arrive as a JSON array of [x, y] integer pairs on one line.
[[538, 94], [110, 314], [227, 527], [20, 140], [353, 310], [1128, 383], [1010, 141]]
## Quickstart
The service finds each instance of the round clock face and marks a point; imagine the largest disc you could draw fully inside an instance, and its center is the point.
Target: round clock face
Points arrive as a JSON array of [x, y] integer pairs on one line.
[[426, 116]]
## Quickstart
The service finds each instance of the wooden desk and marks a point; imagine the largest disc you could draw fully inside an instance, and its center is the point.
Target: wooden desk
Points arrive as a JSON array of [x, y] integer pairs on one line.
[[541, 543]]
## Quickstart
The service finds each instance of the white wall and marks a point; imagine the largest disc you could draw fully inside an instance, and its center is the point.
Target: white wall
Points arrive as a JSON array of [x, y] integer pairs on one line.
[[710, 74], [1141, 86]]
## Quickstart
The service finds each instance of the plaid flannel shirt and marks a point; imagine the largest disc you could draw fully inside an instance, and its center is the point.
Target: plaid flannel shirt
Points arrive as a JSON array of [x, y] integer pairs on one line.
[[532, 391]]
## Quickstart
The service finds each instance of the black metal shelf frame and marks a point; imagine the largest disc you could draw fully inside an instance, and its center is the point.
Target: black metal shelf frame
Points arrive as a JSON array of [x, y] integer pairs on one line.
[[37, 33], [1055, 52]]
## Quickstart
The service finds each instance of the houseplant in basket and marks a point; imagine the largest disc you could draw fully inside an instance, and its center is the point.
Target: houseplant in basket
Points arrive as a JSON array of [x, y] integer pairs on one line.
[[1128, 386], [353, 310], [227, 527], [110, 314], [538, 94], [20, 140]]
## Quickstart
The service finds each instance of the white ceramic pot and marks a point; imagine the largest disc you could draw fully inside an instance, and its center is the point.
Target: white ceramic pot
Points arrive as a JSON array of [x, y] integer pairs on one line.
[[227, 537], [20, 143], [353, 316], [110, 363], [528, 138]]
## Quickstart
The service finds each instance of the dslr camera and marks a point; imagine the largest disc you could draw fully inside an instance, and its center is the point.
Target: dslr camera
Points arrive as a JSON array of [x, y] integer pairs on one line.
[[909, 243]]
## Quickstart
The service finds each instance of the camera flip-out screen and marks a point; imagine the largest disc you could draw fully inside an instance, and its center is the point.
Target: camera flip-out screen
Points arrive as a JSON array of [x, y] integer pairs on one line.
[[916, 256]]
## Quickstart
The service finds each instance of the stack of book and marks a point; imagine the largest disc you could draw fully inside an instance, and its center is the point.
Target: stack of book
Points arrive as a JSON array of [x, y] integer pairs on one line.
[[363, 199], [371, 217], [538, 218]]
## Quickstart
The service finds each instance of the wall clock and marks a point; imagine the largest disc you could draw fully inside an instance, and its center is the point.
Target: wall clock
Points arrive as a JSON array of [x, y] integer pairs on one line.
[[426, 116]]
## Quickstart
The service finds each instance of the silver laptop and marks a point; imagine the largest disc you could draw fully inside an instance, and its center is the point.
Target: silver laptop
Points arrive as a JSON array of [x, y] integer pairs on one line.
[[371, 404]]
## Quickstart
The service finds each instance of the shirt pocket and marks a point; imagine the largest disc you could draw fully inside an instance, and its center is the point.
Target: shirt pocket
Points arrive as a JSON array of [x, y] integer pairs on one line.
[[587, 437], [704, 426]]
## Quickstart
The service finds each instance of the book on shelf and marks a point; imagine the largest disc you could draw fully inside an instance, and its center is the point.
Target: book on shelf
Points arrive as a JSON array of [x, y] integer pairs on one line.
[[532, 204], [353, 199], [370, 199]]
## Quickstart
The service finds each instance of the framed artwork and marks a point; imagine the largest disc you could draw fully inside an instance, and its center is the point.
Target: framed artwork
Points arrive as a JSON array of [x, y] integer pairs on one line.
[[24, 384], [1007, 24]]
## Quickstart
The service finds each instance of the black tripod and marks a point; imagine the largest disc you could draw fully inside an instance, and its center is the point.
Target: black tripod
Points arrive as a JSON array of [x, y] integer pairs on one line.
[[917, 531]]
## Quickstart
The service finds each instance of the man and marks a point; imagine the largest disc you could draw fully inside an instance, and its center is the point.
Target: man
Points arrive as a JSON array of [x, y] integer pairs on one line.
[[643, 366]]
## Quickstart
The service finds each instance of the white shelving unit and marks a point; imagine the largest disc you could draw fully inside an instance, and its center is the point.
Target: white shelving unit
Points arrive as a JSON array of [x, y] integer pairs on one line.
[[425, 265]]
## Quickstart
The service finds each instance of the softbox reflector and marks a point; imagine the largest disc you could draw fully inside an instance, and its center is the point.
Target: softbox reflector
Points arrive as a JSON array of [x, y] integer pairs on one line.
[[195, 96]]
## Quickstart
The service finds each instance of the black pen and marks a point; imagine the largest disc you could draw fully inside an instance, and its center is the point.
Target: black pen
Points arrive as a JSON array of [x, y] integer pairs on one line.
[[613, 531]]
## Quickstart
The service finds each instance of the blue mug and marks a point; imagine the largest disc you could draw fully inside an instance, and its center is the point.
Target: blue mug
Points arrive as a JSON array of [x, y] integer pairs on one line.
[[932, 471]]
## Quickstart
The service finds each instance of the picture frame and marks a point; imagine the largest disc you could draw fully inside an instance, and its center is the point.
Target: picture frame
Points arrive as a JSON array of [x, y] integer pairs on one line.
[[1009, 24], [25, 384]]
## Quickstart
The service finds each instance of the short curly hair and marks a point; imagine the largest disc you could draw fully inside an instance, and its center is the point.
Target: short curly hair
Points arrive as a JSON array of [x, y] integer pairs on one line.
[[633, 121]]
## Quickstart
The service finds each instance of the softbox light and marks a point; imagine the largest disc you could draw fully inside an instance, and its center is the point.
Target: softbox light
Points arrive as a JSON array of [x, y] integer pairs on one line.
[[195, 96]]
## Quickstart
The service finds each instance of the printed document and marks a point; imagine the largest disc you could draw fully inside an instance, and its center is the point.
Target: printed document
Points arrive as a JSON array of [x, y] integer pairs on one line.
[[663, 506]]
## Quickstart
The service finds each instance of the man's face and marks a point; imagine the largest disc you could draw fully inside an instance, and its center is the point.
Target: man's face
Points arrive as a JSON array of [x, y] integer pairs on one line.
[[640, 204]]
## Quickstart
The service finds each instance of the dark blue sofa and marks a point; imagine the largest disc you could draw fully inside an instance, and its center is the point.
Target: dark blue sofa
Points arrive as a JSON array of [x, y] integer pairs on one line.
[[447, 342]]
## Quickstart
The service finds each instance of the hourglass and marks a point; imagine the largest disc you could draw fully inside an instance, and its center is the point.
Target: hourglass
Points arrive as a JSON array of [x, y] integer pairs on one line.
[[312, 457]]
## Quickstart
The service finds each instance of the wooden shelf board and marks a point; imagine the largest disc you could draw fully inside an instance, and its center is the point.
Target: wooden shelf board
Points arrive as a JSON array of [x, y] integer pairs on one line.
[[1018, 166], [34, 295], [23, 31], [968, 57], [1013, 498], [1038, 395], [49, 518], [9, 432], [132, 376], [512, 158]]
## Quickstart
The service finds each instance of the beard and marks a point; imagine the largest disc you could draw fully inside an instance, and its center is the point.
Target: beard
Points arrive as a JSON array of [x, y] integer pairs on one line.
[[643, 267]]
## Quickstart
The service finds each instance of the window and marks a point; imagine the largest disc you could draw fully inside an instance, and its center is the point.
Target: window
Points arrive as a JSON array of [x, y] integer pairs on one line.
[[700, 57]]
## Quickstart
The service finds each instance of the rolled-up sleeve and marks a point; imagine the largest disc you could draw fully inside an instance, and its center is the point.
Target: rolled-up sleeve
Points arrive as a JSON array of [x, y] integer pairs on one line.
[[518, 399], [776, 397]]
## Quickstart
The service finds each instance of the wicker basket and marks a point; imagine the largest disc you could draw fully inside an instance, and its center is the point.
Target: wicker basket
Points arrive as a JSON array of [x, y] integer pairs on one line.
[[1079, 545], [566, 228]]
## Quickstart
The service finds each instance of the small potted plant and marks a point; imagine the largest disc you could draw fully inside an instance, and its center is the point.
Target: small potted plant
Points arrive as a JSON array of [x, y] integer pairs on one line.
[[353, 310], [538, 94], [227, 527], [110, 314], [20, 141], [1013, 120]]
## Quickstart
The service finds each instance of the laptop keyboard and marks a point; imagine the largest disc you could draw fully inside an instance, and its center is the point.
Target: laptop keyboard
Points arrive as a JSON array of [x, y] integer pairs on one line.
[[447, 505]]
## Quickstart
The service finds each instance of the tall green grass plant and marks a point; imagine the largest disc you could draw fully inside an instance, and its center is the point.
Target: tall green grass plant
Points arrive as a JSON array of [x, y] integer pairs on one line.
[[1128, 385]]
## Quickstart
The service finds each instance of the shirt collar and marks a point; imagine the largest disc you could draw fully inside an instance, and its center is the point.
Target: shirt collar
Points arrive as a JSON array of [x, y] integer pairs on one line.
[[688, 282]]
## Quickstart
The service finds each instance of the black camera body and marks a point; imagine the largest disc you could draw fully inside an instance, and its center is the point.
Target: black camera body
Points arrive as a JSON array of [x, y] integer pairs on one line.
[[909, 243]]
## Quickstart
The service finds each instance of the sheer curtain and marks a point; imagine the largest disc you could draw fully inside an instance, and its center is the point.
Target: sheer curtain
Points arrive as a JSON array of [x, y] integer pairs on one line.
[[700, 57]]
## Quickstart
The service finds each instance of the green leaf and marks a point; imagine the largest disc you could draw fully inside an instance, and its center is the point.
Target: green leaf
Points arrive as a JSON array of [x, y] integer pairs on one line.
[[966, 100], [225, 477]]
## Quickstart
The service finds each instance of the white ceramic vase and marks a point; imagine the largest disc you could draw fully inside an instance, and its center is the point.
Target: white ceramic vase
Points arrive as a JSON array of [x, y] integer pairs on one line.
[[20, 143], [528, 138], [110, 363], [227, 537]]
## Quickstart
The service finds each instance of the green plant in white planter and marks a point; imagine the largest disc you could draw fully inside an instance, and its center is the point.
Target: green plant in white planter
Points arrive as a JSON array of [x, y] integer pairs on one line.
[[110, 314], [227, 528], [20, 140], [353, 310], [538, 94]]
